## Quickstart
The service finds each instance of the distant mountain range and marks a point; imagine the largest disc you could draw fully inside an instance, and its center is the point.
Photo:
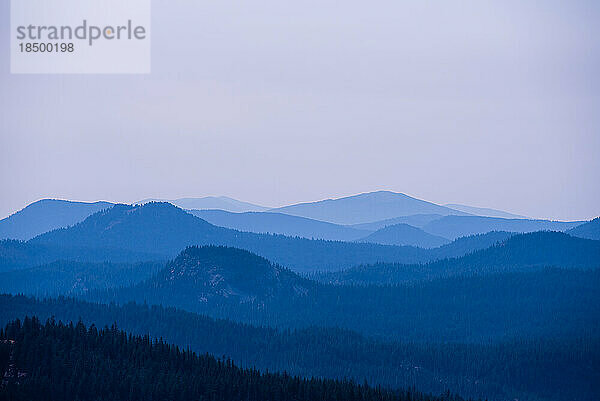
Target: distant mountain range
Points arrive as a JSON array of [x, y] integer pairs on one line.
[[211, 202], [157, 231], [365, 208], [332, 219], [45, 215], [164, 229]]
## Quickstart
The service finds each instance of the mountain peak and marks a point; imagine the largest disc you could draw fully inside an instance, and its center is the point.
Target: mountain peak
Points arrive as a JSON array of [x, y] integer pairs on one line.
[[46, 215], [366, 208]]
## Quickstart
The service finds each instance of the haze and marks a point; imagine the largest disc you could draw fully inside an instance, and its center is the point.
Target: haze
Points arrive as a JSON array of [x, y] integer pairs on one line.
[[491, 104]]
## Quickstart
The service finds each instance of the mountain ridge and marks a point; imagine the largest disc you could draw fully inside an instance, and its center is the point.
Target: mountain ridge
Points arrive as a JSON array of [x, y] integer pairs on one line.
[[211, 202], [484, 211], [166, 229], [280, 223], [453, 227]]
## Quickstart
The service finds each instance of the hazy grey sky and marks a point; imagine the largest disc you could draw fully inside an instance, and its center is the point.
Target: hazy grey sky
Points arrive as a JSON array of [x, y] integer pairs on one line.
[[492, 104]]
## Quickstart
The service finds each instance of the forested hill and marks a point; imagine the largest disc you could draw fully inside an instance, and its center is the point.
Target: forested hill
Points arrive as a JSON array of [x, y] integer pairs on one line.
[[71, 362], [589, 230], [541, 248], [165, 229], [209, 272], [517, 253]]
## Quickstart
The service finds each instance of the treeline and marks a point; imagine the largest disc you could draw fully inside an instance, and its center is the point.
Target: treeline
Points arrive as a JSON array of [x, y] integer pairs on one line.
[[59, 361], [525, 369]]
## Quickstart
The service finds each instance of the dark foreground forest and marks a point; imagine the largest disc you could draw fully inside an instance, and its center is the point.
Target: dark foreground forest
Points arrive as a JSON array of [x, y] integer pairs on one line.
[[71, 362], [525, 369]]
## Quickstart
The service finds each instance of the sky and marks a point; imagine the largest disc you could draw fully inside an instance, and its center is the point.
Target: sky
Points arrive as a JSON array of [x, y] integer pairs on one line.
[[486, 103]]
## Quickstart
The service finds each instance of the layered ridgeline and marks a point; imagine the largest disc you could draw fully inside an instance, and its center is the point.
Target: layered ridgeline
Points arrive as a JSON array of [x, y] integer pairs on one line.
[[522, 252], [440, 221], [422, 230], [532, 369], [153, 231], [161, 228], [45, 215], [72, 277], [65, 362], [279, 223], [494, 304], [453, 227], [389, 232], [493, 252]]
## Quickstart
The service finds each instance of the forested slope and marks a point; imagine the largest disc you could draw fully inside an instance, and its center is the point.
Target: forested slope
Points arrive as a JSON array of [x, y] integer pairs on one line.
[[59, 361]]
